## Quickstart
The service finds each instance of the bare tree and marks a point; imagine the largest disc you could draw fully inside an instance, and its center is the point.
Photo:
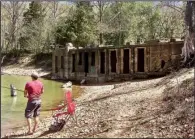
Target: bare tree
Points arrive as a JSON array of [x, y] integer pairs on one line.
[[173, 5], [101, 6], [56, 12], [188, 49], [172, 13], [189, 15], [13, 14]]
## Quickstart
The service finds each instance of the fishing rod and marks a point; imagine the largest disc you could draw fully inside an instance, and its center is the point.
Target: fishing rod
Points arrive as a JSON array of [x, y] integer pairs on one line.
[[11, 88], [48, 109]]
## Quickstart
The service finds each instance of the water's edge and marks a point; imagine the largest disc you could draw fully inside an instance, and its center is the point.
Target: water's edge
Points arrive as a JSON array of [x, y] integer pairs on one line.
[[77, 93]]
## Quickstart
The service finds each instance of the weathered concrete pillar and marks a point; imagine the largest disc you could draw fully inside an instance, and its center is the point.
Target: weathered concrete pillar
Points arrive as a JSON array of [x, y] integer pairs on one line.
[[60, 71], [107, 65], [76, 63], [97, 61], [145, 60], [148, 58], [118, 61], [121, 60], [130, 61], [135, 59], [53, 62], [66, 63]]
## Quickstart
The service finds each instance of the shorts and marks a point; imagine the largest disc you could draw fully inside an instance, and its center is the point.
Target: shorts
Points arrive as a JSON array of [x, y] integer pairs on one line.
[[33, 108]]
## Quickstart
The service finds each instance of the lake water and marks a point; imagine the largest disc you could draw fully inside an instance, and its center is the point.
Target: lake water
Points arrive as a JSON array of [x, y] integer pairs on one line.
[[12, 108]]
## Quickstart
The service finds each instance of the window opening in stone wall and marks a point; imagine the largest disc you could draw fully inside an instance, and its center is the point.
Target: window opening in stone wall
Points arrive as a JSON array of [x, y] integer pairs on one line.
[[102, 62], [92, 58], [162, 64], [56, 64], [140, 58], [113, 61], [73, 62], [86, 57], [80, 58], [62, 62], [126, 61]]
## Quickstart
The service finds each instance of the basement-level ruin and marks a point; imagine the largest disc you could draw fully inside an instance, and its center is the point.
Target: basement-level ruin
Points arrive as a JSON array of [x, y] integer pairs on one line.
[[103, 64]]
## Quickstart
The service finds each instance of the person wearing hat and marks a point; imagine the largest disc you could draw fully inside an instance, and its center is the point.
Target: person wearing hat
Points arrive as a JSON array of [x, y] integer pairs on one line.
[[33, 91]]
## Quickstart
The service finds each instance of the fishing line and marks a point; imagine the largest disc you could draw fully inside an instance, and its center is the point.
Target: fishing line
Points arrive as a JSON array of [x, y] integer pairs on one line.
[[14, 89]]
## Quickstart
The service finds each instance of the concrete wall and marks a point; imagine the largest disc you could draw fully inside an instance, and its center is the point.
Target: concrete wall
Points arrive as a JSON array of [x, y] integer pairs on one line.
[[61, 72], [153, 55], [168, 52], [79, 73]]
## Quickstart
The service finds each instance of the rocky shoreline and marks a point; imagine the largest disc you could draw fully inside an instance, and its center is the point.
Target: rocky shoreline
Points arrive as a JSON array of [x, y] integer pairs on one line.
[[129, 110]]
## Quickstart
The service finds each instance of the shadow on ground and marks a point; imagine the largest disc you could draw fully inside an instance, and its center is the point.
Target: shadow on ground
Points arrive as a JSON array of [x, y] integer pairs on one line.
[[46, 133]]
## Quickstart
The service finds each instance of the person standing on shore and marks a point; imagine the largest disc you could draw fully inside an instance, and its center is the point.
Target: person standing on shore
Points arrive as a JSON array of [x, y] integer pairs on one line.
[[33, 91]]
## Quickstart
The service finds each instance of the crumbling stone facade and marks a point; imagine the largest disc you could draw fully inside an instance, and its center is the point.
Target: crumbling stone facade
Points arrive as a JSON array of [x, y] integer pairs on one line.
[[109, 63]]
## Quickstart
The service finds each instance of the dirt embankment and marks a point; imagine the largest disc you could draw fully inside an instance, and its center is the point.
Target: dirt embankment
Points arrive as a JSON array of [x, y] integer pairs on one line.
[[156, 108], [27, 64]]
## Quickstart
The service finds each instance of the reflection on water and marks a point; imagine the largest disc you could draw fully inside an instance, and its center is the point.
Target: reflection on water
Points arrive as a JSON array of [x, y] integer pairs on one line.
[[12, 108], [13, 103]]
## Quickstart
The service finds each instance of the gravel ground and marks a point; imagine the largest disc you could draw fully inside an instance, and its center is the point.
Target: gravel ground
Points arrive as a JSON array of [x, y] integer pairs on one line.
[[131, 109]]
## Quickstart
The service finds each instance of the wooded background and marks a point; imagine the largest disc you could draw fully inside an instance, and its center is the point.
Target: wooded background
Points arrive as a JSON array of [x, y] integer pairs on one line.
[[41, 26]]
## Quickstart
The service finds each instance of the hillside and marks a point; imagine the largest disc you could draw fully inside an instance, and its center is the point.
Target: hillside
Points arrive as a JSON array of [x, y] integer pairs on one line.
[[162, 107]]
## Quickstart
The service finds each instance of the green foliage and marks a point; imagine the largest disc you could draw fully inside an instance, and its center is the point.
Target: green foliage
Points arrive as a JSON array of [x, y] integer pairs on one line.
[[84, 23], [65, 32], [144, 22], [141, 21], [79, 28], [132, 21], [34, 13], [171, 24], [32, 37], [118, 24]]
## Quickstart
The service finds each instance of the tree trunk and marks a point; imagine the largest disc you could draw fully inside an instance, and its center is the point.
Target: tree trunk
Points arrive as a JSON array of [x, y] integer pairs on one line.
[[14, 21], [188, 48]]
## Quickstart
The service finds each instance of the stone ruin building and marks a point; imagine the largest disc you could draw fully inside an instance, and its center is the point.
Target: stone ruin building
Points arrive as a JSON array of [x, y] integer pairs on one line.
[[103, 64]]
